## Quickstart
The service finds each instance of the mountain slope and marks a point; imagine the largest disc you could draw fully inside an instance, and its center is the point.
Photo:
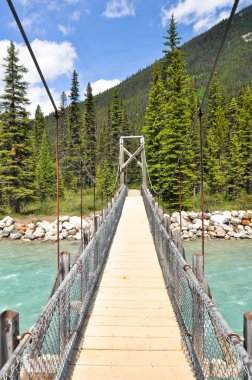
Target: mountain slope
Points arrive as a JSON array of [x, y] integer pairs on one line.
[[234, 67]]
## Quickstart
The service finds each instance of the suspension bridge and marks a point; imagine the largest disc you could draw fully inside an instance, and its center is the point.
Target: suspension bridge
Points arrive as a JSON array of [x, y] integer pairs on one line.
[[130, 307]]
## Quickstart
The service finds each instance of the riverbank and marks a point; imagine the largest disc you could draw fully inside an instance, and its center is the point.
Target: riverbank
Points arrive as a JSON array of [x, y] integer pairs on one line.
[[44, 230], [217, 225], [226, 225]]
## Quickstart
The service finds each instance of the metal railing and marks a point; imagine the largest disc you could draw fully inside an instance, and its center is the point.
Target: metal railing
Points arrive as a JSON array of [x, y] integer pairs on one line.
[[46, 353], [214, 351]]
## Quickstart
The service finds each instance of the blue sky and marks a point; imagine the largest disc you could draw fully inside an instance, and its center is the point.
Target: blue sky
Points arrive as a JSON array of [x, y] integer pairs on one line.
[[106, 41]]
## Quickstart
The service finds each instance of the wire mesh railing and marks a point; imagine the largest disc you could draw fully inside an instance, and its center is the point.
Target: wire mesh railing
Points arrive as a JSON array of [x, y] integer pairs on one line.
[[214, 351], [46, 353]]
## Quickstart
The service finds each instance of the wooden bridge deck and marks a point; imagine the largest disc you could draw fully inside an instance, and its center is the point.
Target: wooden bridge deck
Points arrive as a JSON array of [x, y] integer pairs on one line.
[[132, 332]]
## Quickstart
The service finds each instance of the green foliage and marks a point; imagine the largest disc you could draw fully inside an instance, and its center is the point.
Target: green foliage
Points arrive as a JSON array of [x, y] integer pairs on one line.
[[90, 136], [45, 171], [16, 136], [74, 144], [39, 126]]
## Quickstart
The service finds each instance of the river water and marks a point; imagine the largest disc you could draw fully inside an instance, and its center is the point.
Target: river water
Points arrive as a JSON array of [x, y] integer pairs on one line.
[[27, 271]]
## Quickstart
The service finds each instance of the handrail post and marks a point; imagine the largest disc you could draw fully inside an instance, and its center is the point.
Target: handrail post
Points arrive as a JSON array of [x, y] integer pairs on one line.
[[9, 331], [247, 332]]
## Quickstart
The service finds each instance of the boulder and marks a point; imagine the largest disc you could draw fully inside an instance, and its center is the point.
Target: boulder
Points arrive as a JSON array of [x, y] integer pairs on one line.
[[245, 222], [219, 219], [235, 221], [9, 229], [193, 215], [8, 221], [211, 228], [241, 213], [220, 233], [68, 226], [16, 236], [64, 218], [234, 213], [197, 224], [4, 234], [2, 225]]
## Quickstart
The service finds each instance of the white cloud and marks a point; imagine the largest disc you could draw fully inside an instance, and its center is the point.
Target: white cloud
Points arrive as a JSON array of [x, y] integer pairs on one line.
[[65, 29], [38, 95], [102, 85], [119, 8], [75, 16], [202, 14], [55, 59]]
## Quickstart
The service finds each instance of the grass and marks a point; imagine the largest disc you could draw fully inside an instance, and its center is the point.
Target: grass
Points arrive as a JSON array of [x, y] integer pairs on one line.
[[70, 205]]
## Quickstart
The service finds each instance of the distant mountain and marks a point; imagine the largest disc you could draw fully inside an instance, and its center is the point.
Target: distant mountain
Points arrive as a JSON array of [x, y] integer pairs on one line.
[[234, 67]]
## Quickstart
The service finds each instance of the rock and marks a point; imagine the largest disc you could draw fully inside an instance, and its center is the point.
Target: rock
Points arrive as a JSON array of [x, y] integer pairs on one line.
[[245, 222], [64, 234], [247, 215], [68, 226], [22, 227], [185, 236], [71, 238], [51, 233], [193, 215], [216, 212], [226, 227], [78, 236], [220, 219], [64, 218], [231, 233], [211, 228], [206, 216], [227, 214], [189, 226], [73, 231], [174, 225], [220, 233], [2, 225], [245, 236], [39, 233], [16, 236], [241, 213], [4, 234], [235, 221], [212, 234], [45, 225], [197, 224], [227, 237], [199, 233], [234, 213], [238, 235], [9, 229], [8, 221]]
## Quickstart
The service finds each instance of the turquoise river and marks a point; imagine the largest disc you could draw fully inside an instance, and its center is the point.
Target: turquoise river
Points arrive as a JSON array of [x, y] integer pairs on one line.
[[27, 272]]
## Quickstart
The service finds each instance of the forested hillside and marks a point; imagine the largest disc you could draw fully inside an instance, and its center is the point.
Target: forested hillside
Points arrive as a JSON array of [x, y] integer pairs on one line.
[[234, 67]]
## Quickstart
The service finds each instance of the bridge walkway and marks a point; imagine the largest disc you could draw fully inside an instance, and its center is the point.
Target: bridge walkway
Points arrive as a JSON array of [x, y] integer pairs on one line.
[[132, 332]]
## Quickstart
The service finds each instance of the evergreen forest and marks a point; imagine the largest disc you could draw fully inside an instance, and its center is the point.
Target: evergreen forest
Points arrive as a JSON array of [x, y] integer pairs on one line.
[[161, 107]]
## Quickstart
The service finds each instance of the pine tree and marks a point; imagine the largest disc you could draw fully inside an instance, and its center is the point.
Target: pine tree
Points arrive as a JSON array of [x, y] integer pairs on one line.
[[72, 170], [235, 168], [114, 129], [217, 134], [172, 41], [40, 126], [16, 136], [154, 123], [90, 135], [245, 136], [45, 171]]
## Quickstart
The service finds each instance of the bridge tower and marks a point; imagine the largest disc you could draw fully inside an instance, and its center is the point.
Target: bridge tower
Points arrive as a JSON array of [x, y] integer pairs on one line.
[[132, 156]]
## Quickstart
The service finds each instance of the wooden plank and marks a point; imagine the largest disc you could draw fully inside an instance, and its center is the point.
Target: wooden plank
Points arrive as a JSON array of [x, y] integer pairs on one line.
[[126, 343], [131, 373], [132, 331]]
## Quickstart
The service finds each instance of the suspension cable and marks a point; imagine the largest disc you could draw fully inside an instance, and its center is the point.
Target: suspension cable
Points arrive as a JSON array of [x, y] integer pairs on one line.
[[202, 103]]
